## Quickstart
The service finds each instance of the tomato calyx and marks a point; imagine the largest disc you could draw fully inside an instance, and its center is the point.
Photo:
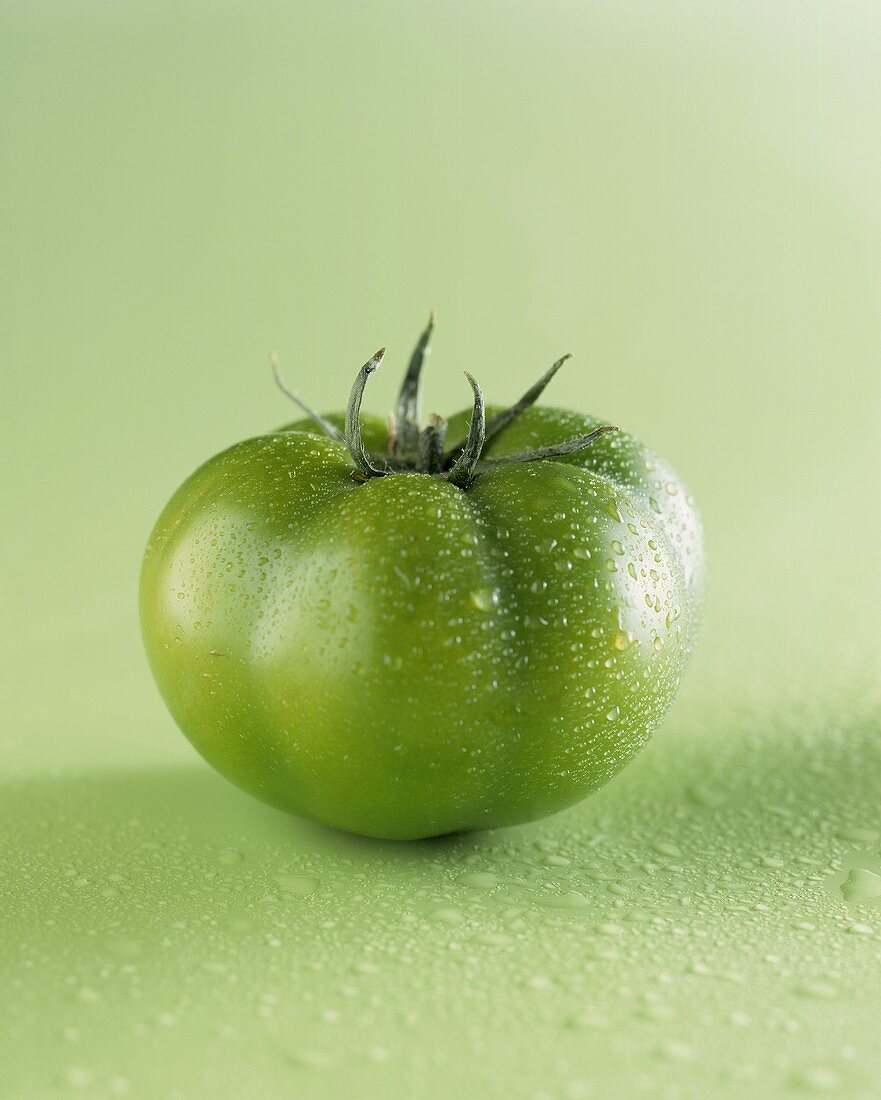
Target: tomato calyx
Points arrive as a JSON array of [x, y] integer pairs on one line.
[[411, 449]]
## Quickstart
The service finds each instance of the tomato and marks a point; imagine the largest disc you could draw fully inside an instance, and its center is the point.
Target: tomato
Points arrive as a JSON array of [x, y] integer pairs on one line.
[[402, 639]]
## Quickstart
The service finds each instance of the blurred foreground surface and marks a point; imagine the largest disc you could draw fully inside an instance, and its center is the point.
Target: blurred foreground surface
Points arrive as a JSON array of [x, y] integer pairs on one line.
[[684, 195]]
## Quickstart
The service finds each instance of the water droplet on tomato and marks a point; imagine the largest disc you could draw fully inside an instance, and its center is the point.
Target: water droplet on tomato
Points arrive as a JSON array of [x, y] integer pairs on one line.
[[484, 599]]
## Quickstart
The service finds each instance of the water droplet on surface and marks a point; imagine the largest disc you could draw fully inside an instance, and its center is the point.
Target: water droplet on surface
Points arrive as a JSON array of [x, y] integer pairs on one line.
[[572, 900], [861, 885], [860, 929], [702, 794], [480, 880], [300, 885], [79, 1077], [447, 915], [678, 1051], [818, 990], [663, 848], [588, 1019], [819, 1079], [494, 939], [859, 835]]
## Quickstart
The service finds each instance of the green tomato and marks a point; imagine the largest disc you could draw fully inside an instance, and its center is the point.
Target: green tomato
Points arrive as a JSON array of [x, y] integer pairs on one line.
[[432, 641]]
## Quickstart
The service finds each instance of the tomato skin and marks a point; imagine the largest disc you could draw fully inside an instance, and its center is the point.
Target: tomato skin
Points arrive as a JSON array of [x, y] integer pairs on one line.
[[630, 464], [403, 658], [619, 457]]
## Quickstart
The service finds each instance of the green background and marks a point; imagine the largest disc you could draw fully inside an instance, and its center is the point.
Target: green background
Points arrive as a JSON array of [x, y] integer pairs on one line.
[[686, 196]]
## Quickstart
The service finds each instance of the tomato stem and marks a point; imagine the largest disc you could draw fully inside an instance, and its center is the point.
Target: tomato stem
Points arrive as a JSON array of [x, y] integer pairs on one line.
[[422, 451], [353, 420], [431, 445], [554, 451], [325, 425], [461, 473], [407, 413], [502, 419]]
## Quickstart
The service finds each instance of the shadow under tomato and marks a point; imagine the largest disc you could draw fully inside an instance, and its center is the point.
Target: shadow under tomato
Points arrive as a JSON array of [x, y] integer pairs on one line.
[[785, 773]]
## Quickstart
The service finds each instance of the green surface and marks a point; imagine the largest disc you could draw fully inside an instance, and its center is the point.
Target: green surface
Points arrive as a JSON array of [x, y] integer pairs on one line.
[[684, 195]]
